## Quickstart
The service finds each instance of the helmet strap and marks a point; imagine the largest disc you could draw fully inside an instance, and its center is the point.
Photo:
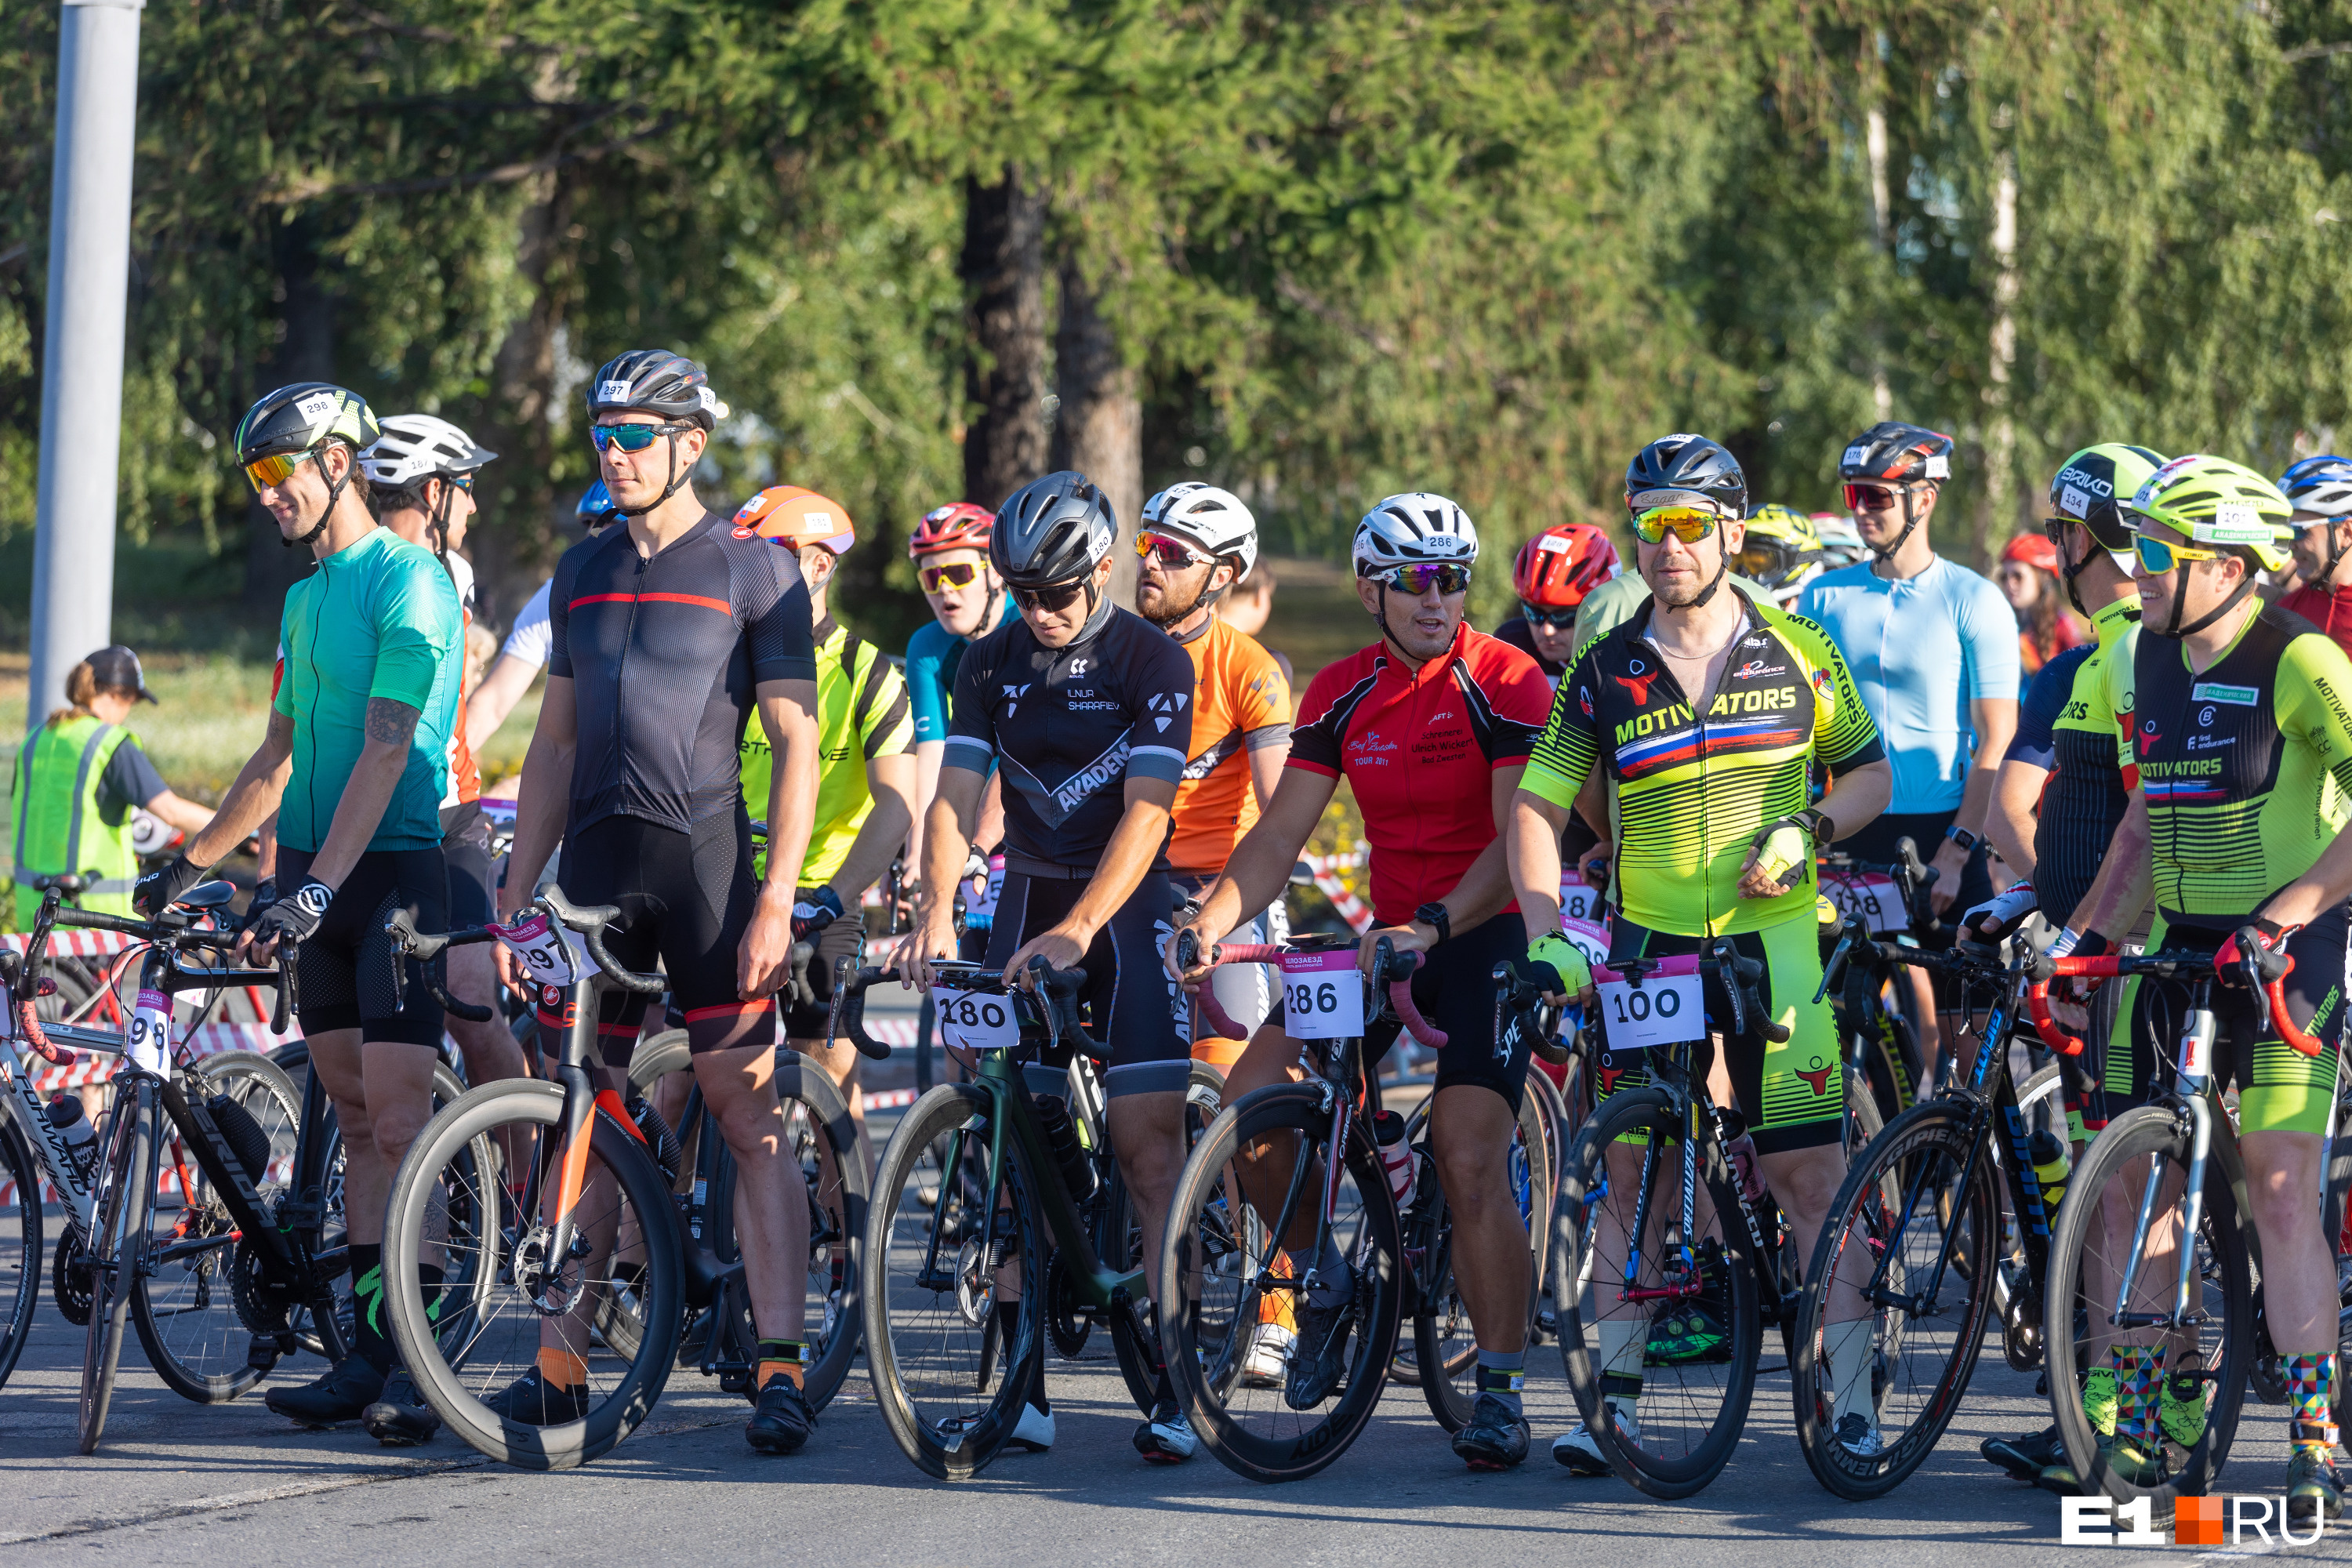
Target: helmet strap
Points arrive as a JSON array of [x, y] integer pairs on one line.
[[335, 494], [1722, 569], [676, 481], [1910, 522], [1381, 618], [2181, 583], [2335, 555], [439, 520]]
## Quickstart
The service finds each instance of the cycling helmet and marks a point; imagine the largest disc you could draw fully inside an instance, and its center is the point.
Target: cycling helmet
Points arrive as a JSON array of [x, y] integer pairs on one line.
[[1841, 542], [298, 417], [1418, 528], [2034, 549], [1896, 453], [2216, 502], [1557, 568], [959, 525], [1213, 521], [596, 509], [1052, 530], [414, 447], [654, 381], [2322, 485], [1686, 470], [789, 516], [1780, 553]]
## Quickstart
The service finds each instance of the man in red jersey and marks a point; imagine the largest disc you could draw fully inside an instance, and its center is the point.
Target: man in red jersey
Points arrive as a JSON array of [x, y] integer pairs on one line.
[[1432, 726]]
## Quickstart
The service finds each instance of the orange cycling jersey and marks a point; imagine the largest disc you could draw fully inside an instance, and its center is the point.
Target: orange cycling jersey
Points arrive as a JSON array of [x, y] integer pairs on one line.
[[1241, 704]]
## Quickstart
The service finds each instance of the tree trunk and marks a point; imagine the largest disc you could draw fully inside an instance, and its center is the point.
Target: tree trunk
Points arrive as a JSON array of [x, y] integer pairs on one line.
[[306, 353], [528, 524], [1003, 271], [1098, 425]]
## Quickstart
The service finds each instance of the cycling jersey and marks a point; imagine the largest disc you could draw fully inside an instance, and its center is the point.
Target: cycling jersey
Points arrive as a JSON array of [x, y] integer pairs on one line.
[[2330, 609], [378, 618], [933, 655], [2067, 727], [1694, 786], [665, 653], [530, 641], [1920, 650], [1241, 704], [1420, 749], [861, 714], [1069, 726], [1517, 633], [2246, 767]]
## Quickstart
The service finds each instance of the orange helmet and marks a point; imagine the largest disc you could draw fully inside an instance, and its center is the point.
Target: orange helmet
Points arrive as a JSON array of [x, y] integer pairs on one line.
[[1557, 568], [959, 525], [2035, 551], [791, 517]]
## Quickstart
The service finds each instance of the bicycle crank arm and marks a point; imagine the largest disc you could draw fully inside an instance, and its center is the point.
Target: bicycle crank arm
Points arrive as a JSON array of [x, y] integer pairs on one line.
[[2157, 1319]]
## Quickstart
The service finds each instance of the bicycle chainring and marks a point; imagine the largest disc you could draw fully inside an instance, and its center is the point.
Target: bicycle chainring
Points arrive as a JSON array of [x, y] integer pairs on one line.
[[70, 1280], [263, 1305]]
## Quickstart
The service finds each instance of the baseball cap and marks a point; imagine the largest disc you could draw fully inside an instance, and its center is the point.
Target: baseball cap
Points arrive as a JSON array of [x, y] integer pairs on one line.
[[116, 669]]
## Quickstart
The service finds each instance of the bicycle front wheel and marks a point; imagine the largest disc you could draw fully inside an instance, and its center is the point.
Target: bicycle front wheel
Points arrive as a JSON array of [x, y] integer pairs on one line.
[[117, 1244], [1139, 1364], [20, 1246]]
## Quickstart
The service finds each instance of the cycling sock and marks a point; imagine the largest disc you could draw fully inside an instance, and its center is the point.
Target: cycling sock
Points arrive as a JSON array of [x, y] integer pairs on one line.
[[558, 1368], [369, 1342], [2138, 1370], [1850, 1344], [1008, 1323], [1621, 1339], [2099, 1400], [779, 1358], [2310, 1391], [1334, 1283], [1500, 1375]]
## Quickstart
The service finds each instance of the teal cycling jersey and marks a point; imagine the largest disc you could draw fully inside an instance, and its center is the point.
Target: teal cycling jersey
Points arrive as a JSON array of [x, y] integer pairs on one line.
[[933, 655], [378, 618]]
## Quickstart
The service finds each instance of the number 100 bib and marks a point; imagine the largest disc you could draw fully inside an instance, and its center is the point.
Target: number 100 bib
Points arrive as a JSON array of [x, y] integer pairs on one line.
[[1667, 1009]]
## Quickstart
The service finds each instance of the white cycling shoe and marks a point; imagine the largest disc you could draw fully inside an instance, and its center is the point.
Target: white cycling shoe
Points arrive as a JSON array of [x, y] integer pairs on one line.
[[1580, 1451], [1269, 1356], [1034, 1431]]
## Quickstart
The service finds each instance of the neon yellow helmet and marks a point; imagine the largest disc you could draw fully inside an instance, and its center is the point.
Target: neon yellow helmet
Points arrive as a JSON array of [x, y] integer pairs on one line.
[[2216, 502], [1780, 553]]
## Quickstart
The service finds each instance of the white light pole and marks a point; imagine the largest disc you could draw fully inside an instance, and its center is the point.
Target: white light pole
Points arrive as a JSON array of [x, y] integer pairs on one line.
[[82, 367]]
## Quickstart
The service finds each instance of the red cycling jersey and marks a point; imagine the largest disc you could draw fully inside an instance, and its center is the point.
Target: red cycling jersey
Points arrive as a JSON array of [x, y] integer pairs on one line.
[[1420, 750]]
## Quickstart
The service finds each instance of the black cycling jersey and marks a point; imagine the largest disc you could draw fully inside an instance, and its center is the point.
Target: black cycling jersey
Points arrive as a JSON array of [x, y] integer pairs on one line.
[[2066, 725], [1521, 636], [664, 654], [1069, 726]]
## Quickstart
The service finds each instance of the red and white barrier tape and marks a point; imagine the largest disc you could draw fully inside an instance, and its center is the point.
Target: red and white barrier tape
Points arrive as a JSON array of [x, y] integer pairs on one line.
[[1325, 869]]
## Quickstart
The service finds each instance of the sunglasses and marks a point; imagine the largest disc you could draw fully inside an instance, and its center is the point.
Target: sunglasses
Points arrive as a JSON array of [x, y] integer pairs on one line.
[[267, 473], [1764, 558], [2156, 556], [1556, 619], [1418, 580], [1873, 498], [1688, 523], [1173, 554], [940, 579], [630, 438], [463, 482], [1060, 597]]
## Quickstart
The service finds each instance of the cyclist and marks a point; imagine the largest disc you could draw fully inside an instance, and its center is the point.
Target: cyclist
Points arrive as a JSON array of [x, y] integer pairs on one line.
[[1718, 838], [1613, 604], [1782, 554], [1841, 542], [76, 783], [524, 654], [1552, 575], [2321, 492], [950, 549], [2237, 750], [1430, 725], [667, 634], [355, 766], [1933, 647], [1086, 710], [865, 778], [2059, 797], [2029, 580]]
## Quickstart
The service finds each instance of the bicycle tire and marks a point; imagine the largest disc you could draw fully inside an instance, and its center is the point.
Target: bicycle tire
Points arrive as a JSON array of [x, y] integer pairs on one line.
[[450, 1385], [1866, 1223], [2135, 1135], [1211, 1338], [184, 1304], [20, 1262], [1560, 1136], [119, 1230], [1203, 1094], [951, 1394], [1690, 1466]]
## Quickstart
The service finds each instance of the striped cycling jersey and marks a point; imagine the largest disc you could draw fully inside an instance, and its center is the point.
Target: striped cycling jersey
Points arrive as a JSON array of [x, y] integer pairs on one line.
[[861, 714], [2067, 725]]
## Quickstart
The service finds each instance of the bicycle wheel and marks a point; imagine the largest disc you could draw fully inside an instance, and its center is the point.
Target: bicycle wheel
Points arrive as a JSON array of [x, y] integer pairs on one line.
[[1442, 1337], [1674, 1340], [1560, 1136], [1866, 1344], [2094, 1240], [457, 1167], [184, 1305], [950, 1369], [20, 1245], [1223, 1258], [126, 1186], [1139, 1364], [2042, 1103]]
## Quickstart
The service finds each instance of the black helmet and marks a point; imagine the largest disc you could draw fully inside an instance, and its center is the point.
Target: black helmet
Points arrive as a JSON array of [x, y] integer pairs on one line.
[[297, 417], [1052, 530], [1684, 470], [1896, 453], [2094, 484], [656, 382]]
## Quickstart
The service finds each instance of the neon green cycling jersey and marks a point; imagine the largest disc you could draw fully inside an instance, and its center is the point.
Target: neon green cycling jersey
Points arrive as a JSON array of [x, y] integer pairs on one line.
[[1692, 786], [862, 713], [378, 618]]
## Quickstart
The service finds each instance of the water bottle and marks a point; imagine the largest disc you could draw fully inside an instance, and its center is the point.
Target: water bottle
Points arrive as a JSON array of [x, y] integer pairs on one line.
[[1396, 1157], [72, 1122], [1061, 1137], [2052, 1165]]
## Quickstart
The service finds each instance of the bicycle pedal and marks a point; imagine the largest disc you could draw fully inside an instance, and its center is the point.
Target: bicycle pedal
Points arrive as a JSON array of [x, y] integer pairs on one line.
[[734, 1377], [262, 1351]]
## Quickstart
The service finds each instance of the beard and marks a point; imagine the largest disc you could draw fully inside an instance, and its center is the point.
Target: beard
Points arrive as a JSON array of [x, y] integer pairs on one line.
[[1167, 613]]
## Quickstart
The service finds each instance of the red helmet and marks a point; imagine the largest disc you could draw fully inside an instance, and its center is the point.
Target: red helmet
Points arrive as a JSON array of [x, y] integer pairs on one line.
[[2035, 551], [959, 525], [1557, 568]]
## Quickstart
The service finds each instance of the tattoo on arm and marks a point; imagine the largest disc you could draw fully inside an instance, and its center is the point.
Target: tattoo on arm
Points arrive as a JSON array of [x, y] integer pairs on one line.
[[391, 723], [281, 727]]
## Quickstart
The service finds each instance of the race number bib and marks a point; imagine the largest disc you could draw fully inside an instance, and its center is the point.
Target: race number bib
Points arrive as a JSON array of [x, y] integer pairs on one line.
[[1577, 901], [980, 893], [975, 1020], [1589, 940], [539, 943], [1322, 996], [149, 1044], [1874, 897], [1667, 1009]]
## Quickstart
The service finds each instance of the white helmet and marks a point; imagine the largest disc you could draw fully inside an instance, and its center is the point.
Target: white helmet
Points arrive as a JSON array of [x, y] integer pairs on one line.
[[1213, 521], [1417, 529], [414, 447]]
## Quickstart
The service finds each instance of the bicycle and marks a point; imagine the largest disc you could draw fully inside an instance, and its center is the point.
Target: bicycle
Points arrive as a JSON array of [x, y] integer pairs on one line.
[[1887, 900]]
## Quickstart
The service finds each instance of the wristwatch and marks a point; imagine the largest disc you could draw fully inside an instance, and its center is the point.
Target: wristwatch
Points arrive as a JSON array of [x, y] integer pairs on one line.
[[1960, 836], [1433, 915]]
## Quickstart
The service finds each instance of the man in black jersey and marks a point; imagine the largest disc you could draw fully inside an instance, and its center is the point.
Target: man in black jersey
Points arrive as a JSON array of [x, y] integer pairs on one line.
[[666, 634], [1086, 710]]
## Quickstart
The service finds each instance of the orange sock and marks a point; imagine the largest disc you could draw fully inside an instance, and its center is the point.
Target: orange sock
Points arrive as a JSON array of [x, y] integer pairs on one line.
[[768, 1369], [562, 1368], [781, 1358]]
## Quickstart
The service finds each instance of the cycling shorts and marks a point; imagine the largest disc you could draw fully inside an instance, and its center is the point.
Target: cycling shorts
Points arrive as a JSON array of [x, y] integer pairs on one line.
[[1455, 989], [2279, 1089], [345, 970], [1129, 1002], [1248, 992], [1792, 1093], [687, 900], [845, 937], [473, 875]]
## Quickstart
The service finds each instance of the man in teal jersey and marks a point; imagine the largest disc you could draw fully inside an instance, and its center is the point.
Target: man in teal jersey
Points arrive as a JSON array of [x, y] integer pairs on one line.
[[354, 763]]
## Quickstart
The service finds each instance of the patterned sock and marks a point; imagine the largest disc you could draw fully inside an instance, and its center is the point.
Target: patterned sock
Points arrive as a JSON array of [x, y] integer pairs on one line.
[[2310, 1391], [779, 1358], [1501, 1374], [369, 1340], [2138, 1370]]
